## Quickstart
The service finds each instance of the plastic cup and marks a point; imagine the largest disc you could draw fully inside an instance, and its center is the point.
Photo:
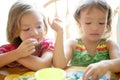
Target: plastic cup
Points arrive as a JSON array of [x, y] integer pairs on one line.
[[50, 74]]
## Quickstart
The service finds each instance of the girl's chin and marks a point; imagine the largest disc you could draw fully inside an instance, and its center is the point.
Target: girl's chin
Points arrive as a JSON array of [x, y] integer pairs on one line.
[[95, 39]]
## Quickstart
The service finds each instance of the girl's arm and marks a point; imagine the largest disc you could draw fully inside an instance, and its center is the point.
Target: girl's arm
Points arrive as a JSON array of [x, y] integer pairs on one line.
[[8, 57], [113, 65], [114, 50], [59, 58], [99, 69], [35, 63], [26, 48], [62, 52]]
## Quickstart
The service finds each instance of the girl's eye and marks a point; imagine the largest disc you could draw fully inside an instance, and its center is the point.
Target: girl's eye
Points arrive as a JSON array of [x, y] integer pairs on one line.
[[88, 23], [39, 27], [27, 29], [101, 23]]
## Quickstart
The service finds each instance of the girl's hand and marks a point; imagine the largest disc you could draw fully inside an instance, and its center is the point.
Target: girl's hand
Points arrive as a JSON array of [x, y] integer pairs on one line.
[[95, 71], [27, 47], [56, 24]]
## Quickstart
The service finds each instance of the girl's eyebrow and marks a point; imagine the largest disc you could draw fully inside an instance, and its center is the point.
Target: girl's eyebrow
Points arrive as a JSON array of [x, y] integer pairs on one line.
[[36, 23], [103, 18], [92, 18], [88, 18], [25, 25]]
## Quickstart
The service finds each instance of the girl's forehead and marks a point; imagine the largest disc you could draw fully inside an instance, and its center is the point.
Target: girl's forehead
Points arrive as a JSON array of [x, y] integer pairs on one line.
[[93, 12], [94, 7], [34, 15], [31, 18]]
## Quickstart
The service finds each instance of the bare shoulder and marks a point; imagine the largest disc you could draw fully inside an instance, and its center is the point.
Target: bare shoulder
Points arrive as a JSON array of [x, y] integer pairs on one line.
[[71, 42], [111, 43], [113, 47]]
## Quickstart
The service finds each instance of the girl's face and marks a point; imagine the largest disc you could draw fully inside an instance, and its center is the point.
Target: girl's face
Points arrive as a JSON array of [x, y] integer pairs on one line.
[[92, 22], [31, 27]]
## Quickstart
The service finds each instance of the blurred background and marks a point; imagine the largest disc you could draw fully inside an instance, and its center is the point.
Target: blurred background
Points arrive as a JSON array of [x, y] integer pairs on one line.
[[64, 10]]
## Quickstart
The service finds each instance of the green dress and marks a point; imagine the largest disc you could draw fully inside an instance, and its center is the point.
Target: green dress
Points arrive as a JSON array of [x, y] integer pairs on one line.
[[81, 57]]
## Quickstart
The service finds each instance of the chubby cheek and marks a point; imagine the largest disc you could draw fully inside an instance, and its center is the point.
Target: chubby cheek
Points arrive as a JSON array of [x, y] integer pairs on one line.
[[40, 38], [102, 30], [24, 36], [85, 30]]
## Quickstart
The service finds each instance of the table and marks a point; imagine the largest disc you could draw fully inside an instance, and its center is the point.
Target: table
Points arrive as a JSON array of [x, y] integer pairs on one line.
[[20, 70]]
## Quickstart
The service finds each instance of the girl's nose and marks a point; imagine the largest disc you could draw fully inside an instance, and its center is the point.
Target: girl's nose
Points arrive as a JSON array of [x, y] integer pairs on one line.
[[95, 27], [34, 32]]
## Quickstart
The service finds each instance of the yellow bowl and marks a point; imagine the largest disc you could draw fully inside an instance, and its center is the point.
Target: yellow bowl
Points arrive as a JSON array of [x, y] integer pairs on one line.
[[50, 74]]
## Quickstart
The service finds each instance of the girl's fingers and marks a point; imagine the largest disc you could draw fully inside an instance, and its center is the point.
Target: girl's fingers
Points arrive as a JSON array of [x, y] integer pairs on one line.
[[49, 21], [29, 46], [88, 73], [58, 20], [100, 75], [54, 21], [95, 76], [31, 50]]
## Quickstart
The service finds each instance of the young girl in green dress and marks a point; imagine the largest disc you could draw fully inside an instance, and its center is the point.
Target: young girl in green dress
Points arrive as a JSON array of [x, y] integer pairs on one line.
[[93, 49]]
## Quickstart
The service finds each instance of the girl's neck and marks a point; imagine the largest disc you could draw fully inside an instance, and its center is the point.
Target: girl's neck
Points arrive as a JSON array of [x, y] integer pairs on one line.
[[90, 42]]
